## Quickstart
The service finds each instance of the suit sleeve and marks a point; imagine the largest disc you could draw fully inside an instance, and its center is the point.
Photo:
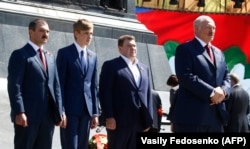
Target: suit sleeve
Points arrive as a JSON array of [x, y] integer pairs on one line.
[[16, 70], [93, 87], [105, 89], [150, 97], [62, 68]]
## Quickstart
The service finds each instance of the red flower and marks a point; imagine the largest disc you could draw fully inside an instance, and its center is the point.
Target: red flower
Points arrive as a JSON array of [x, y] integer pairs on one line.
[[98, 141], [160, 111]]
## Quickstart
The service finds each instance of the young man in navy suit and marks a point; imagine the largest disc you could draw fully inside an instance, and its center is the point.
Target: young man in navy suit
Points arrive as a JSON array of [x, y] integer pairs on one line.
[[34, 91], [204, 82], [77, 69], [125, 96]]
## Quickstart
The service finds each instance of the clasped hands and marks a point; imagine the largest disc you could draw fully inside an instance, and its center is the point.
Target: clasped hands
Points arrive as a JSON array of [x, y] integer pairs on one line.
[[218, 97]]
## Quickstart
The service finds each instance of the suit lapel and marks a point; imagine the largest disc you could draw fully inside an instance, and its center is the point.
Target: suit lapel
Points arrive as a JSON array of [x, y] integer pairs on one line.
[[75, 56], [142, 73], [204, 52], [89, 60], [37, 59], [216, 57], [49, 61], [130, 74]]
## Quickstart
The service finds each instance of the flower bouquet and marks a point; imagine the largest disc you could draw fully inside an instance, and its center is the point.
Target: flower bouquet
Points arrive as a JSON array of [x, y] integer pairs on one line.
[[98, 141]]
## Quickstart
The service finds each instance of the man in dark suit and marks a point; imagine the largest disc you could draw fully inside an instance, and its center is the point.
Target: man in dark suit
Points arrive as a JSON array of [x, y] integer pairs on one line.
[[204, 82], [173, 83], [237, 106], [77, 69], [157, 112], [34, 91], [125, 96]]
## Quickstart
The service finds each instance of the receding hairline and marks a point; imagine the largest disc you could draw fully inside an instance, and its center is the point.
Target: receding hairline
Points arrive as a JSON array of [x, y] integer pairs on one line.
[[33, 23], [234, 77], [201, 19]]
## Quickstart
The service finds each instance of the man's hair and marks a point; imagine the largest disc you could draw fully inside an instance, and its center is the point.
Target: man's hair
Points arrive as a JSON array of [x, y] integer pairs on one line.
[[234, 77], [82, 25], [33, 23], [122, 38], [172, 80], [198, 21]]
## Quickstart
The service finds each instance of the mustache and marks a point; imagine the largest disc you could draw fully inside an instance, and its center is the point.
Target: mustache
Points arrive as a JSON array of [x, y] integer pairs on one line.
[[44, 37], [210, 33]]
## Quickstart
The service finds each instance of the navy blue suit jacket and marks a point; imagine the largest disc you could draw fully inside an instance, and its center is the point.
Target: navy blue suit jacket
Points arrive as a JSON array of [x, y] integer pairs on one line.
[[79, 89], [197, 78], [119, 93], [29, 86]]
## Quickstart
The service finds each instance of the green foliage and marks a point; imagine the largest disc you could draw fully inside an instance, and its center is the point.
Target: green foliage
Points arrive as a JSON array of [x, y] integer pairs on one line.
[[234, 56], [247, 70], [170, 47]]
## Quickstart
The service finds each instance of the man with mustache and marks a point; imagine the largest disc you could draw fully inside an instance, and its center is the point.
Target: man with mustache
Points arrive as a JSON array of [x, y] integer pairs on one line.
[[34, 91]]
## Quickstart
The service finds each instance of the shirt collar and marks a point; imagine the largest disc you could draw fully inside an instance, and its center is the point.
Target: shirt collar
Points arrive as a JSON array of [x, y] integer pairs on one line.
[[128, 61], [203, 44], [35, 47], [235, 85], [79, 49]]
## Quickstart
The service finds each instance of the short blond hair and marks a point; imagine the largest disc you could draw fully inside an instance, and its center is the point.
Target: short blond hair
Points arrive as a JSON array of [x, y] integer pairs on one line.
[[82, 25]]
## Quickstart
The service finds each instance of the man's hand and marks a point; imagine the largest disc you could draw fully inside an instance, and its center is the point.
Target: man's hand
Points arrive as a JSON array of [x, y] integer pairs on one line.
[[111, 123], [21, 119], [63, 123], [145, 130], [94, 122], [218, 97]]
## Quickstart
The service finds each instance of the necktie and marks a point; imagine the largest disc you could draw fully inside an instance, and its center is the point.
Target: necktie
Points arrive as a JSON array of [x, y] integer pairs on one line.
[[209, 52], [42, 57], [83, 61]]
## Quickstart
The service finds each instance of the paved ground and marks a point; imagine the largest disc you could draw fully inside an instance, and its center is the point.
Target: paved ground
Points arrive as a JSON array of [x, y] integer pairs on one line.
[[6, 127]]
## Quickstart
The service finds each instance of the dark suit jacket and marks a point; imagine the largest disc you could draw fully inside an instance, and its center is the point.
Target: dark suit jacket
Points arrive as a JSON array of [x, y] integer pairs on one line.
[[237, 106], [119, 94], [197, 77], [79, 90], [157, 105], [172, 97], [30, 87]]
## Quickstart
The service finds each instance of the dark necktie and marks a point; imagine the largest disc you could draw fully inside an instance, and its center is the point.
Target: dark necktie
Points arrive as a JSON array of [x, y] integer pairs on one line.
[[210, 53], [42, 57], [83, 61]]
